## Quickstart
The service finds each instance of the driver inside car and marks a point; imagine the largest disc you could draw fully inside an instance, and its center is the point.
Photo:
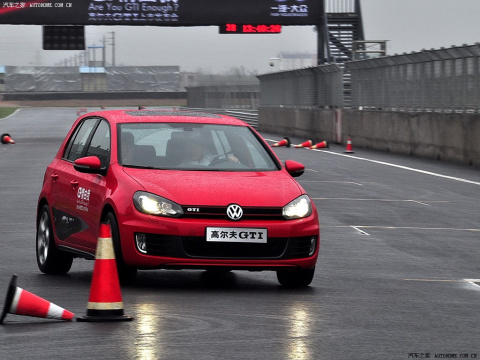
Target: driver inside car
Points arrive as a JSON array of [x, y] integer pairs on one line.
[[196, 153]]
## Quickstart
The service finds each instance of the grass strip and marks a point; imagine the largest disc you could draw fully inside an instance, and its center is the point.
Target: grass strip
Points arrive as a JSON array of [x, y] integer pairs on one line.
[[5, 111]]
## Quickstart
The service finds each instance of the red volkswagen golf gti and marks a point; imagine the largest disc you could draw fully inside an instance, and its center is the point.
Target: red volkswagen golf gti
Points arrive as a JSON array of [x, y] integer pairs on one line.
[[180, 190]]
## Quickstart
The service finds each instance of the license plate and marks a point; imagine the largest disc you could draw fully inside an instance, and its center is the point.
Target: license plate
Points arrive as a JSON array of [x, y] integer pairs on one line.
[[236, 235]]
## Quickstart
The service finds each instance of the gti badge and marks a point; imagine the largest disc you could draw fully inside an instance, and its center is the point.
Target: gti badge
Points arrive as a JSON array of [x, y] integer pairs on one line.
[[234, 212]]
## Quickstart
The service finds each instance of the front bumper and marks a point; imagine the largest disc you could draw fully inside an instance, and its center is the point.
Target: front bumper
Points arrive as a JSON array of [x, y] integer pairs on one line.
[[181, 243]]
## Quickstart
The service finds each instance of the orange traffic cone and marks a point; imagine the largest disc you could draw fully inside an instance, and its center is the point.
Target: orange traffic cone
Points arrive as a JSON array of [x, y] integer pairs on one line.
[[348, 149], [22, 302], [6, 139], [319, 145], [105, 302], [284, 142], [304, 144]]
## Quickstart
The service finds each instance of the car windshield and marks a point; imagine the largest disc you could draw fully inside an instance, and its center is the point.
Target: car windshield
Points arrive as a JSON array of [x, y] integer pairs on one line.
[[186, 146]]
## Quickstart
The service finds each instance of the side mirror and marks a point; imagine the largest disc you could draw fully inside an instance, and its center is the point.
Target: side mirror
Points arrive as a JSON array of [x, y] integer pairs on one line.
[[294, 168], [89, 165]]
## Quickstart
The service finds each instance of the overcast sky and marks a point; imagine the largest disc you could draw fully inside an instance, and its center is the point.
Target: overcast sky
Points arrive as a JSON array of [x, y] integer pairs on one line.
[[408, 25]]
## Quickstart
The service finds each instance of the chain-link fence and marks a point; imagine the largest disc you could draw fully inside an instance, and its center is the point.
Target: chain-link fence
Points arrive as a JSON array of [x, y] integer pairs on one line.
[[314, 87], [444, 80]]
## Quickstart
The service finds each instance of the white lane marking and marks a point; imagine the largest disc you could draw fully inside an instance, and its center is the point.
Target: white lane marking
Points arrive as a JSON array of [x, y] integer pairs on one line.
[[360, 231], [385, 200], [398, 166], [421, 203], [474, 282], [434, 280], [329, 181], [404, 168], [399, 228]]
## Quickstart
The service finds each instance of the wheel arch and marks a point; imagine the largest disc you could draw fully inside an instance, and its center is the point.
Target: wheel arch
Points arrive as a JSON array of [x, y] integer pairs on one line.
[[126, 274], [108, 208], [41, 203]]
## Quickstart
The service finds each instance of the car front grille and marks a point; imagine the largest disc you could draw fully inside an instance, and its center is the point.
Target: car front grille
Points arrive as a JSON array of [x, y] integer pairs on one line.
[[189, 247], [220, 212]]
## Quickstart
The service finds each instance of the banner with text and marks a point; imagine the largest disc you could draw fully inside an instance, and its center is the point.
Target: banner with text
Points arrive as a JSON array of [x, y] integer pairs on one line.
[[161, 12]]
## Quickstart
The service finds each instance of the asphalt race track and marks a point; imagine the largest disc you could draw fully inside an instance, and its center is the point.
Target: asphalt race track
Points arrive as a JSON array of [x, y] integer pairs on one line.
[[396, 279]]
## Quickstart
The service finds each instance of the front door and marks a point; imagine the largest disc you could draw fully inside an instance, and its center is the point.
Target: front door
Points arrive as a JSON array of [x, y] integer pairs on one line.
[[86, 202]]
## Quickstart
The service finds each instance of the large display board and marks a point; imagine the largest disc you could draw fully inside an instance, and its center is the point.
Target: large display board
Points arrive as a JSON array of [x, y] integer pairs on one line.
[[161, 12]]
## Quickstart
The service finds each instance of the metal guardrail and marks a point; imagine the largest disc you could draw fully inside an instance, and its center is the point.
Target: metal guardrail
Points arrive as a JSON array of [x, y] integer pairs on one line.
[[249, 116]]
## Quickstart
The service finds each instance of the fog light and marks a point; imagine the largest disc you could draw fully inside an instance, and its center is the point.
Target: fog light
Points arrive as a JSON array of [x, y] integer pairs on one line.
[[141, 242], [313, 245]]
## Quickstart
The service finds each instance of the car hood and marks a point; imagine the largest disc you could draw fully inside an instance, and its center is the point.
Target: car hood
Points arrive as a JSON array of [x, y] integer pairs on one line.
[[271, 188]]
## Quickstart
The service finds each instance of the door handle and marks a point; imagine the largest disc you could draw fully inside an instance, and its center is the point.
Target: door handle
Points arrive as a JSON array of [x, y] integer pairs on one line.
[[54, 176], [74, 183]]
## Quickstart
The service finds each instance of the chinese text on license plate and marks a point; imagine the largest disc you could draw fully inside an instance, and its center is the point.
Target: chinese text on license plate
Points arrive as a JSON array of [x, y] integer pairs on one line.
[[247, 235]]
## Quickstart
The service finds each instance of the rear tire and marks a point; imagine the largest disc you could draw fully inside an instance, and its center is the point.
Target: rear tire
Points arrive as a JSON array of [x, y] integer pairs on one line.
[[50, 260], [126, 274], [295, 277]]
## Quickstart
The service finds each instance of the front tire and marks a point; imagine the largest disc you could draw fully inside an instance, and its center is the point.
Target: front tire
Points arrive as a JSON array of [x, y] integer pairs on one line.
[[295, 277], [50, 260], [126, 274]]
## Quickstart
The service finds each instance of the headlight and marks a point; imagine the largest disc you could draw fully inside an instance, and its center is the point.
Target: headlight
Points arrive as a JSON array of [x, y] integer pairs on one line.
[[156, 205], [299, 208]]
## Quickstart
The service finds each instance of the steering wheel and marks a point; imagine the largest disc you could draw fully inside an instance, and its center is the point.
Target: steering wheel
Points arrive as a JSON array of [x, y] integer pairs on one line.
[[220, 158]]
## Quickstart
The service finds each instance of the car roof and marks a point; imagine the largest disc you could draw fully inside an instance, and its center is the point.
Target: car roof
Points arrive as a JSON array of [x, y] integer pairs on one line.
[[142, 116]]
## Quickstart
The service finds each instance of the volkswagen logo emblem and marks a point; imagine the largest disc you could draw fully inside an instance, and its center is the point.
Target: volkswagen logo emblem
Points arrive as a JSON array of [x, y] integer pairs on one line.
[[234, 212]]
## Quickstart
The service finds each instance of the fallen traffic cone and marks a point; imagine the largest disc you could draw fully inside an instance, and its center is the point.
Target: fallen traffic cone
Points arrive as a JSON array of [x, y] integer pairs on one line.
[[319, 145], [6, 139], [284, 142], [105, 302], [22, 302], [348, 149], [307, 143]]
